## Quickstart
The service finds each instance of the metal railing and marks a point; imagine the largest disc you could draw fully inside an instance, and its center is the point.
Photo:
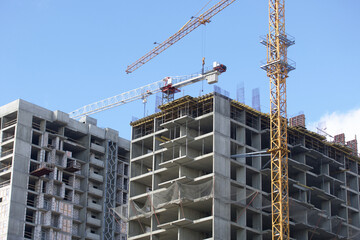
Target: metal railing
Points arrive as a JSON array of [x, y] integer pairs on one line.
[[8, 138], [75, 141], [5, 183], [29, 218], [28, 235], [31, 203], [6, 168], [32, 187], [36, 126], [67, 182], [68, 197], [9, 123], [6, 152], [51, 131]]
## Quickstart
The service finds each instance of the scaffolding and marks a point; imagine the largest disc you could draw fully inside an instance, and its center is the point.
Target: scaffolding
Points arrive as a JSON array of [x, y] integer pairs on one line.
[[110, 190]]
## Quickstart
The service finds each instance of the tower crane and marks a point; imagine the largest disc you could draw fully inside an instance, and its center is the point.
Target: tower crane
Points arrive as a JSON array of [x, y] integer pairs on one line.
[[168, 86], [277, 68], [191, 25]]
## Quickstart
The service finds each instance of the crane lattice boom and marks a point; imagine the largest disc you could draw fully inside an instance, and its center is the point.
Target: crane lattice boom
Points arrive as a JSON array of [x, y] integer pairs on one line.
[[186, 29], [145, 91], [277, 68]]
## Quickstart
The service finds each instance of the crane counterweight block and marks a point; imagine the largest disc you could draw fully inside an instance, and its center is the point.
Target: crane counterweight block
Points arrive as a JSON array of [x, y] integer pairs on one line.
[[170, 89], [221, 68]]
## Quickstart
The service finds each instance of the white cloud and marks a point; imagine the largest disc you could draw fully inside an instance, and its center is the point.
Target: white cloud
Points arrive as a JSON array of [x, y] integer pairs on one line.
[[337, 122]]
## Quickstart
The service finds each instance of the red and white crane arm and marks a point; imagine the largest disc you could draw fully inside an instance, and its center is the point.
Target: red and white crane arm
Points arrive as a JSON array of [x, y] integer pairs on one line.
[[143, 92]]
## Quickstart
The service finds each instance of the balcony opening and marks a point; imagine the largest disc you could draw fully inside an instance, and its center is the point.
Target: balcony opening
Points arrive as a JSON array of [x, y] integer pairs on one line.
[[52, 127], [31, 200], [55, 221], [67, 179], [36, 138], [32, 184], [7, 149], [75, 136], [126, 170], [8, 134], [124, 198], [28, 233], [30, 216], [125, 184], [68, 195], [9, 120], [35, 154], [36, 123]]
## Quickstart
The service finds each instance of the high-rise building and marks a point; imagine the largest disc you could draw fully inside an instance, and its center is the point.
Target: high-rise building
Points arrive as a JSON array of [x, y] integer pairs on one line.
[[59, 178], [199, 169]]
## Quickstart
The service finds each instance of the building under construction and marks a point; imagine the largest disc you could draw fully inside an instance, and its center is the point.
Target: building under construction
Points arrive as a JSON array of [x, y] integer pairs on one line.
[[59, 178], [200, 170]]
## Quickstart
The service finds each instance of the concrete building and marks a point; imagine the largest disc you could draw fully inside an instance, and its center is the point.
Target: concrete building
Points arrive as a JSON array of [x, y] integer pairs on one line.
[[185, 185], [59, 178], [297, 121]]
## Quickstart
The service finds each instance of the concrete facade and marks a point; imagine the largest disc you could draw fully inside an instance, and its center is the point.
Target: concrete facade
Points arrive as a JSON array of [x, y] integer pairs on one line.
[[185, 185], [59, 178]]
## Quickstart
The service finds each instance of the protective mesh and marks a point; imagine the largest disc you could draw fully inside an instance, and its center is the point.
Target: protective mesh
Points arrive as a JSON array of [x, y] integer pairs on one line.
[[300, 213], [176, 193], [179, 192]]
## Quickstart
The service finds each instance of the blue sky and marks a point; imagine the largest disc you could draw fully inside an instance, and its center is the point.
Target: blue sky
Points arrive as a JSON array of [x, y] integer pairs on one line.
[[67, 54]]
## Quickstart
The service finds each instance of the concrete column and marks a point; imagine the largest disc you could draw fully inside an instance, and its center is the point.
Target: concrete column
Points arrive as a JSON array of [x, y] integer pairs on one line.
[[241, 175], [326, 206], [240, 134], [221, 210], [20, 173]]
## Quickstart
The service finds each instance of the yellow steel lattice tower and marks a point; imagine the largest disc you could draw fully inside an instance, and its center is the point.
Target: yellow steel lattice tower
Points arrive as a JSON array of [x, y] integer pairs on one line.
[[277, 67]]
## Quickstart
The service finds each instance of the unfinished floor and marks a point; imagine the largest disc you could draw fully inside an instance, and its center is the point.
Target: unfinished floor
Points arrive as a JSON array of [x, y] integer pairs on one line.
[[185, 185]]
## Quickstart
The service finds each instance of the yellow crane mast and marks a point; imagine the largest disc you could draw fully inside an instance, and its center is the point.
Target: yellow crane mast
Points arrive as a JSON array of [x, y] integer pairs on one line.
[[277, 68]]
